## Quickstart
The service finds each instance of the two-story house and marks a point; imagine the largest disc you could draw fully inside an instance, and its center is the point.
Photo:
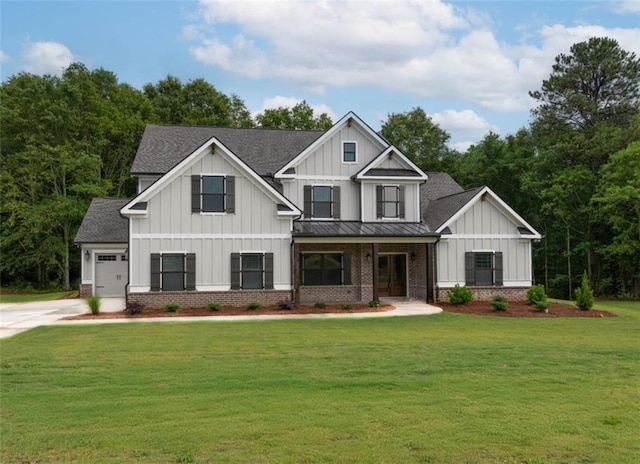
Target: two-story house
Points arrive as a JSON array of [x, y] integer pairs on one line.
[[238, 215]]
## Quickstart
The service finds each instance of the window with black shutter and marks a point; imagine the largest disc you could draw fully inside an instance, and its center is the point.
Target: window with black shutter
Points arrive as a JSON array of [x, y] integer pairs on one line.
[[173, 271], [322, 201], [213, 194], [251, 271], [390, 202], [484, 269]]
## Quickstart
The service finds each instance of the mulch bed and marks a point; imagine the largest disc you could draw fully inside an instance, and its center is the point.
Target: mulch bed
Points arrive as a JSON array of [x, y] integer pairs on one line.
[[522, 309], [235, 311]]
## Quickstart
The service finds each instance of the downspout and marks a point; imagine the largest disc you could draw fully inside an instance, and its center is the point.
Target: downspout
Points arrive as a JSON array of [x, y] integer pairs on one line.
[[436, 288]]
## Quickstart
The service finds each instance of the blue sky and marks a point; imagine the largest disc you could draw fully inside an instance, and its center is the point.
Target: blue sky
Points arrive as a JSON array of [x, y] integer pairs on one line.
[[468, 64]]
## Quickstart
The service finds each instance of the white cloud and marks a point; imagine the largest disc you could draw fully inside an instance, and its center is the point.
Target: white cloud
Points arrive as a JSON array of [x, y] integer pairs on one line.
[[627, 6], [289, 102], [3, 56], [465, 127], [430, 49], [46, 58]]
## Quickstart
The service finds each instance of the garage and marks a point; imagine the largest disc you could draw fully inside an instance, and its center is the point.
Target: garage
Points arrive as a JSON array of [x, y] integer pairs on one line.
[[111, 274]]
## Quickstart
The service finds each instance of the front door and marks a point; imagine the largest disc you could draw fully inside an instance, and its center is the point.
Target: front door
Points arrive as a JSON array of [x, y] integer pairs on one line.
[[392, 275]]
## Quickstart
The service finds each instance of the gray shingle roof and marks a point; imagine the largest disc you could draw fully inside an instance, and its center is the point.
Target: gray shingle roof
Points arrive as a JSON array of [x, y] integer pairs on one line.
[[103, 223], [437, 212], [358, 229], [264, 150], [392, 172]]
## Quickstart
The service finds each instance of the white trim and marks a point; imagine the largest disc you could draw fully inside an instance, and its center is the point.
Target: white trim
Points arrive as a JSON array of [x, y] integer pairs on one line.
[[536, 235], [377, 160], [319, 177], [188, 161], [139, 289], [355, 152], [446, 284], [327, 136], [213, 288], [177, 252], [210, 236], [485, 236]]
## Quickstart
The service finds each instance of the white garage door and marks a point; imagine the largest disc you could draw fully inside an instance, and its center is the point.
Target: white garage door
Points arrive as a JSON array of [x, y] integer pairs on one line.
[[111, 274]]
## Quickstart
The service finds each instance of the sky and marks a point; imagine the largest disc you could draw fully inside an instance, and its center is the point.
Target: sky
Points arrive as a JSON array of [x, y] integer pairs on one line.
[[468, 64]]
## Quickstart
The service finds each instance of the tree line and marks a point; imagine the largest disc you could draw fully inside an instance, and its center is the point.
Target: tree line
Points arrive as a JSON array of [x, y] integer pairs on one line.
[[573, 173]]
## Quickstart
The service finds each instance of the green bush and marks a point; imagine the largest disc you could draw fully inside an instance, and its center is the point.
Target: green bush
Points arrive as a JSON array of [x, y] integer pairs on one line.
[[536, 293], [253, 305], [374, 303], [541, 305], [584, 294], [94, 304], [320, 305], [499, 303], [214, 306], [171, 307], [459, 295], [347, 306]]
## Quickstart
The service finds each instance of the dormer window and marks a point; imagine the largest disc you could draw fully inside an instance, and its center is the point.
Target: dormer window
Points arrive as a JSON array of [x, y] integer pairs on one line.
[[212, 194], [390, 202], [348, 152]]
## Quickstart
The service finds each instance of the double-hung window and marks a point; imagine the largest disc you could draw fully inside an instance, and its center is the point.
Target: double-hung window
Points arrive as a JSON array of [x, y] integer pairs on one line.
[[390, 202], [483, 268], [348, 152], [325, 269], [250, 271], [322, 201], [212, 194], [173, 271]]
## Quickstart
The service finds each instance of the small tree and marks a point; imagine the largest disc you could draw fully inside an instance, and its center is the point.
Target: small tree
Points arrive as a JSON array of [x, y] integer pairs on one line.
[[584, 294]]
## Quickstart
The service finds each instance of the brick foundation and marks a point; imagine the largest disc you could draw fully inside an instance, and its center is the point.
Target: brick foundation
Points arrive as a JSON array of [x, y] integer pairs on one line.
[[487, 293], [85, 290], [201, 299]]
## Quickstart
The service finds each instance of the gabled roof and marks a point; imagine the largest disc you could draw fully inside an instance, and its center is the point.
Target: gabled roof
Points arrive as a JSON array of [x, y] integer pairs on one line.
[[349, 119], [438, 212], [103, 223], [264, 150], [372, 170], [133, 208]]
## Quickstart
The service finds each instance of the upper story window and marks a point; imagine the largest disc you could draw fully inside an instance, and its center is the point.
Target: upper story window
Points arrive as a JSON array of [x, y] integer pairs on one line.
[[212, 194], [322, 202], [348, 152], [390, 202]]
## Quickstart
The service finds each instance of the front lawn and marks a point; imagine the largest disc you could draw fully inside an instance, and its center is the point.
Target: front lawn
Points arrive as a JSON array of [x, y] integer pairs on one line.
[[19, 297], [445, 388]]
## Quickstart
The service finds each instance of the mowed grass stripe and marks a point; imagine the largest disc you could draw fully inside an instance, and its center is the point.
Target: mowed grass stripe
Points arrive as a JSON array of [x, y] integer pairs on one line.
[[446, 388]]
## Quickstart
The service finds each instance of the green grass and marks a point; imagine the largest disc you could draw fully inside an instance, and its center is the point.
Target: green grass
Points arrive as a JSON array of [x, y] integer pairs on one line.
[[448, 388], [28, 297]]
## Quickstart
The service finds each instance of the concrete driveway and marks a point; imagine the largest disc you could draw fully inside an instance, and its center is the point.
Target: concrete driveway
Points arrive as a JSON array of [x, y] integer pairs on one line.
[[19, 317]]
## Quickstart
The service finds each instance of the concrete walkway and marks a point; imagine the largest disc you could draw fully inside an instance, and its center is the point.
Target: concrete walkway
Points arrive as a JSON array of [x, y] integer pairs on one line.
[[18, 317]]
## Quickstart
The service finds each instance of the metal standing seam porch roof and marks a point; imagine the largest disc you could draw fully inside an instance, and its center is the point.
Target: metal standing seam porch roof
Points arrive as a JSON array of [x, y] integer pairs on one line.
[[360, 229]]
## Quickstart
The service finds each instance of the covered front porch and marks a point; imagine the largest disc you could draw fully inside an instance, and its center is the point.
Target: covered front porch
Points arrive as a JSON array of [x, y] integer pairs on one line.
[[347, 262]]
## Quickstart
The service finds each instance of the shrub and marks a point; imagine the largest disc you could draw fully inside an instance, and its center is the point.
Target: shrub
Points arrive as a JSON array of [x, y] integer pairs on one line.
[[584, 294], [499, 303], [374, 303], [214, 306], [536, 293], [459, 295], [133, 307], [320, 305], [347, 306], [94, 304], [286, 304], [253, 305], [171, 307], [541, 305]]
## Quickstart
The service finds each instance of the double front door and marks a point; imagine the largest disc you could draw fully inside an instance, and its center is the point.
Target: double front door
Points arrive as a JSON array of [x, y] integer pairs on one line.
[[392, 275]]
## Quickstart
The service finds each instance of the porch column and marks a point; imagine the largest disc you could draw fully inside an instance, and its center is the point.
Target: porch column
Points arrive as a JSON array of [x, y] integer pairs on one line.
[[374, 258], [430, 273], [295, 270]]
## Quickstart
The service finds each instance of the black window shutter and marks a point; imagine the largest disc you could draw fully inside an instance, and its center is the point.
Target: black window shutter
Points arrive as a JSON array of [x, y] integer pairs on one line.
[[307, 201], [190, 283], [379, 201], [268, 271], [469, 268], [346, 266], [195, 194], [401, 201], [231, 195], [155, 272], [235, 271], [336, 202], [499, 271]]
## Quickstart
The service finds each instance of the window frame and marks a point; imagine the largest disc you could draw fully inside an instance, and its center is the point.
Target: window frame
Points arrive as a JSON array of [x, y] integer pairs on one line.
[[310, 209], [204, 195], [238, 270], [355, 152], [399, 202], [345, 269], [198, 194], [158, 272], [472, 267]]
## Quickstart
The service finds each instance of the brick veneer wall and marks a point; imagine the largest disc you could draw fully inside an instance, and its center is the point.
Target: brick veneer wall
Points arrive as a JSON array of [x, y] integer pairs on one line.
[[200, 299], [487, 293], [85, 290]]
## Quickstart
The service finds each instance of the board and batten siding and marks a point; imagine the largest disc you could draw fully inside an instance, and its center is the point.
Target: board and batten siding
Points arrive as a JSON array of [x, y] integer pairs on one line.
[[326, 160], [349, 194], [484, 217], [170, 226], [411, 201]]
